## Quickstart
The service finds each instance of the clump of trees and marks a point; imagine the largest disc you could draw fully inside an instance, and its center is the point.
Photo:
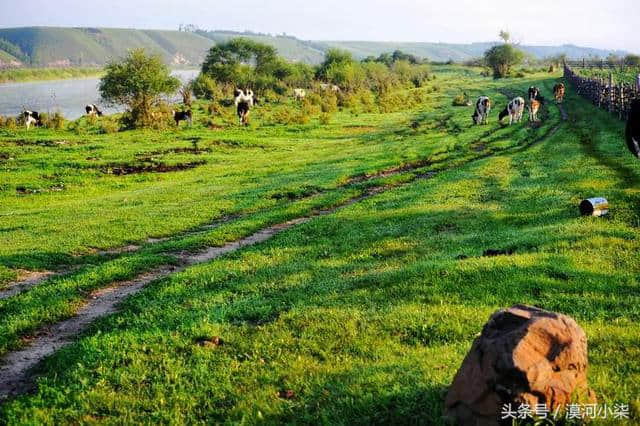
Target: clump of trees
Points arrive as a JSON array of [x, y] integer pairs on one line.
[[242, 62], [502, 58], [138, 82]]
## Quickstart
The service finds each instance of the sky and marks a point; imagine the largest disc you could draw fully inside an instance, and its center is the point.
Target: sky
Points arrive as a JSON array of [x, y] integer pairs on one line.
[[612, 24]]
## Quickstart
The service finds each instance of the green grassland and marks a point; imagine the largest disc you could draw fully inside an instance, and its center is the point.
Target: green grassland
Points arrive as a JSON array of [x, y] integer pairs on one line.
[[365, 314], [39, 74], [628, 75]]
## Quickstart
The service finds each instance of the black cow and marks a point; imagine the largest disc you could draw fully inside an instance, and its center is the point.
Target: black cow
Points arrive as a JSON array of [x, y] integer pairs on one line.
[[633, 128], [92, 109], [179, 116]]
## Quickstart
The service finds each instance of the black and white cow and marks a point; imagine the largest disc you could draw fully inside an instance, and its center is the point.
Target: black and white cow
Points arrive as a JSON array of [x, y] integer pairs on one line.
[[32, 117], [633, 128], [244, 100], [179, 116], [515, 110], [483, 108], [92, 109]]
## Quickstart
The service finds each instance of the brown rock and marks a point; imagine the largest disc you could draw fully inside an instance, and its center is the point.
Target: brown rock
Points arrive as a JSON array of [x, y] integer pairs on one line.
[[524, 355]]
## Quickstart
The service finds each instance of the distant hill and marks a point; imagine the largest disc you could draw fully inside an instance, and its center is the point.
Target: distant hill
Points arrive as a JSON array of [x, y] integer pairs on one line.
[[51, 46], [45, 46]]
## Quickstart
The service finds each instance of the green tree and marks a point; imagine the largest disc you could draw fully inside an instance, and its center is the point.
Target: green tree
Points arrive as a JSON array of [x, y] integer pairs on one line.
[[137, 82], [334, 59], [240, 61], [632, 60], [502, 58]]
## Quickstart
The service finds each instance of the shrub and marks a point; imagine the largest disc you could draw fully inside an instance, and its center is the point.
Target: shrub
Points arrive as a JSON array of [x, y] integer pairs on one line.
[[138, 82], [109, 127], [205, 87], [325, 118], [329, 103], [501, 58], [56, 121], [460, 100]]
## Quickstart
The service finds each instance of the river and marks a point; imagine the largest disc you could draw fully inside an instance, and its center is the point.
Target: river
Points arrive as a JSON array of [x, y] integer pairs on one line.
[[67, 96]]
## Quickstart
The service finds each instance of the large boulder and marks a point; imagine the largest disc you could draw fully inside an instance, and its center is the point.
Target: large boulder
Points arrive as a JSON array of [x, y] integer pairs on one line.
[[524, 355]]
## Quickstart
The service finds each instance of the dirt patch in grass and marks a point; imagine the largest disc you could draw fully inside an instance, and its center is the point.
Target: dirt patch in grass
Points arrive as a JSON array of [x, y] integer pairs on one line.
[[45, 143], [122, 169], [499, 252]]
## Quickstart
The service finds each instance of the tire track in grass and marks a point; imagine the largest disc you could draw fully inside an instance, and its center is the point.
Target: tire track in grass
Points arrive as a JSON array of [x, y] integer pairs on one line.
[[15, 366], [18, 287]]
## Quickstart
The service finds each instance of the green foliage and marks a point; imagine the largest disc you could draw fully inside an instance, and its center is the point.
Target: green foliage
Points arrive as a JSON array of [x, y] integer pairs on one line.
[[8, 123], [137, 82], [502, 58], [461, 100], [632, 60], [205, 87], [240, 61]]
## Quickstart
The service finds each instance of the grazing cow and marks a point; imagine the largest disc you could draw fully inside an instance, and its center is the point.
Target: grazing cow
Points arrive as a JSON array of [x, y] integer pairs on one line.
[[32, 117], [331, 87], [92, 109], [483, 108], [633, 128], [534, 93], [535, 103], [179, 116], [515, 110], [244, 100], [558, 92], [299, 94]]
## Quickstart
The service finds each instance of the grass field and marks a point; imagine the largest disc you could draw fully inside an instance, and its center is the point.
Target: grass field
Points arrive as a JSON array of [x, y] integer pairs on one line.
[[628, 75], [360, 316], [37, 74]]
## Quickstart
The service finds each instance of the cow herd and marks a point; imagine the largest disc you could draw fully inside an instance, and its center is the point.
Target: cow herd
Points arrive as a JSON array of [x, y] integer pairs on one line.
[[515, 108], [245, 99]]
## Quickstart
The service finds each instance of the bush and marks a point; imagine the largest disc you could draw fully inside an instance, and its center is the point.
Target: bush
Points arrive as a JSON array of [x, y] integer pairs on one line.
[[138, 82], [56, 121], [287, 116], [205, 87], [8, 123], [329, 103], [325, 118], [460, 100], [502, 58], [109, 127]]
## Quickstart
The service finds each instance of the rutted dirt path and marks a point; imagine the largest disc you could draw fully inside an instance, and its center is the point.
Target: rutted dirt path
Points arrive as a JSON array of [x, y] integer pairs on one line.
[[15, 366], [30, 279]]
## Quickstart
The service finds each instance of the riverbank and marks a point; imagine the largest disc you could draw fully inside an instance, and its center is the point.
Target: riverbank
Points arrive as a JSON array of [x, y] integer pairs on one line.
[[42, 74]]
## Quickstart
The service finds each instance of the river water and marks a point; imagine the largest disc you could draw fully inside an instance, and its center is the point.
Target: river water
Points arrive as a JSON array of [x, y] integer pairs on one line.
[[67, 96]]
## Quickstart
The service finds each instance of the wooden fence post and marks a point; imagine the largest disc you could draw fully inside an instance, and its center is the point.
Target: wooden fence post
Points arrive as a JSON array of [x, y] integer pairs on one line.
[[610, 92], [621, 103]]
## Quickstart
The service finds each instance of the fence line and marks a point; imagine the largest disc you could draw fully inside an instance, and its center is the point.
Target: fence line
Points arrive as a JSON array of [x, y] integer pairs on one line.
[[604, 93]]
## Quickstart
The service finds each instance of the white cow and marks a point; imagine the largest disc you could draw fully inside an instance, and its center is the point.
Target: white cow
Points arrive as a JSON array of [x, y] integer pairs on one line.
[[483, 108], [515, 110]]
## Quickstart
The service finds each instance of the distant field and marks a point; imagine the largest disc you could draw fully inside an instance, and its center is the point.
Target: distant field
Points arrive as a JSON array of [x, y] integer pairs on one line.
[[628, 75], [360, 316], [35, 74]]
